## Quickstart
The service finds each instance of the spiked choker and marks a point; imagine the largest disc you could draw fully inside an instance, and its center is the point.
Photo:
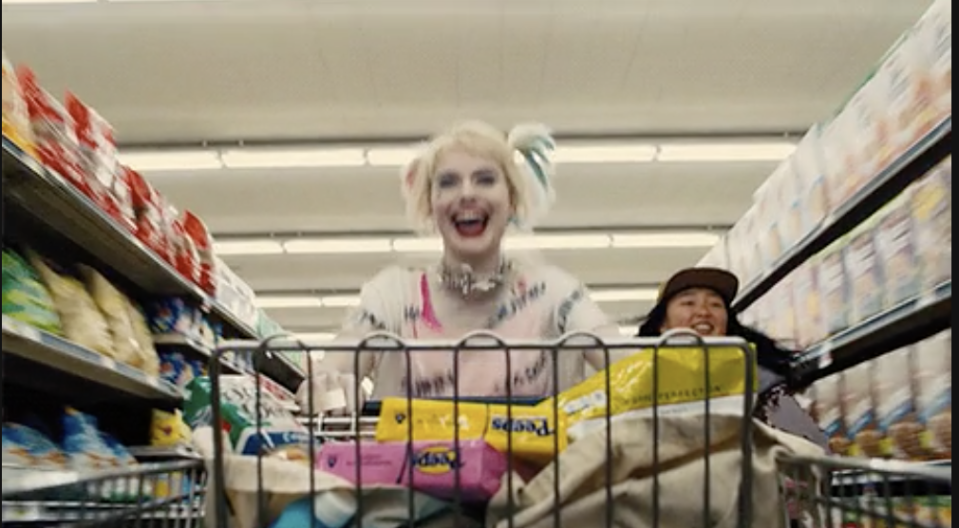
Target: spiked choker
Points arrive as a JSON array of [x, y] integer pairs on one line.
[[462, 279]]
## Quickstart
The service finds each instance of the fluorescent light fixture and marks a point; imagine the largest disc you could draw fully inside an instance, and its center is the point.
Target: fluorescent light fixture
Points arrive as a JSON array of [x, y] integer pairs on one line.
[[171, 160], [549, 241], [338, 246], [266, 158], [349, 301], [390, 157], [340, 301], [288, 301], [624, 295], [316, 336], [725, 152], [665, 240], [624, 153], [417, 245], [545, 242], [249, 247], [37, 2]]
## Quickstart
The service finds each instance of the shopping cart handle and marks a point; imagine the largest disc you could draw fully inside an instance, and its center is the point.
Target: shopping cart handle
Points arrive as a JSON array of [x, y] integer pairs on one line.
[[372, 408]]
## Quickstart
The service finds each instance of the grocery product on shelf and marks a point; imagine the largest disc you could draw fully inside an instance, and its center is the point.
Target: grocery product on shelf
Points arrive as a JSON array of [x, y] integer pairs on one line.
[[25, 447], [16, 117], [828, 409], [895, 391], [860, 408], [865, 276], [934, 379], [931, 205], [25, 298], [896, 252], [280, 431], [82, 321]]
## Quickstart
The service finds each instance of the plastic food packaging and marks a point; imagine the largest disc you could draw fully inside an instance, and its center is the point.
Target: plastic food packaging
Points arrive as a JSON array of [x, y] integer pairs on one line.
[[682, 382], [56, 142], [149, 361], [280, 429], [146, 201], [16, 118], [169, 429], [113, 306], [934, 379], [434, 466], [80, 318], [97, 153], [533, 433], [199, 234], [25, 298], [27, 448]]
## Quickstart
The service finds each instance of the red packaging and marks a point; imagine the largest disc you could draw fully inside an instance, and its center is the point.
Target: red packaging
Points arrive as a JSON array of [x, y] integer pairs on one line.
[[56, 142], [149, 217], [199, 235], [187, 260]]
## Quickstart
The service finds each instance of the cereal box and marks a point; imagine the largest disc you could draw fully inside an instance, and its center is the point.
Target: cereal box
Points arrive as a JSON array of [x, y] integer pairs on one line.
[[896, 406], [810, 173], [932, 215], [864, 274], [806, 299], [828, 408], [933, 360], [933, 36], [834, 288], [839, 158], [860, 405], [897, 252]]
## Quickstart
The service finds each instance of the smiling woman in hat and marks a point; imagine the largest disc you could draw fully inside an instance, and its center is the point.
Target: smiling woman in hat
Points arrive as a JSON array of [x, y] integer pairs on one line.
[[701, 299]]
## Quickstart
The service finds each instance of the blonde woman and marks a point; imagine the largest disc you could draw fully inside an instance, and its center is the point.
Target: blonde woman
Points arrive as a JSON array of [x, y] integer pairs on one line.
[[471, 185]]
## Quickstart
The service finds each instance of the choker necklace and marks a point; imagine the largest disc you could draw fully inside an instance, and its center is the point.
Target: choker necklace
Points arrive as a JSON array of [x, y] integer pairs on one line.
[[462, 279]]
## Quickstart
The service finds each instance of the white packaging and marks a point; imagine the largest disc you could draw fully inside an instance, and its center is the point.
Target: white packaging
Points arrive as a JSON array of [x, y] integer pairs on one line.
[[933, 34], [867, 286], [839, 158], [808, 167], [834, 289], [867, 136], [906, 107]]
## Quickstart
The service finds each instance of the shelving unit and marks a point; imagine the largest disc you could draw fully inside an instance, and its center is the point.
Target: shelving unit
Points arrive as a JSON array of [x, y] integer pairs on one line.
[[905, 324], [46, 198], [908, 168]]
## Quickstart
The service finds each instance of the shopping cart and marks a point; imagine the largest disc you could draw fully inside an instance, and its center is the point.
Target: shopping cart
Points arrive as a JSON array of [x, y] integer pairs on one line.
[[702, 465], [163, 495]]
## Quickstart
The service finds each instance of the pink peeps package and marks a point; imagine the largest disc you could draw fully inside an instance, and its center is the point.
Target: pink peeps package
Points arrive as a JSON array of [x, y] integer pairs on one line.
[[481, 468]]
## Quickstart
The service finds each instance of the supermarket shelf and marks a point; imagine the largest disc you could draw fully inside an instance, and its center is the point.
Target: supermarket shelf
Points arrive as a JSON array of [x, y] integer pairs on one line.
[[903, 325], [194, 346], [33, 345], [22, 481], [914, 471], [912, 165], [54, 202], [46, 513], [182, 452]]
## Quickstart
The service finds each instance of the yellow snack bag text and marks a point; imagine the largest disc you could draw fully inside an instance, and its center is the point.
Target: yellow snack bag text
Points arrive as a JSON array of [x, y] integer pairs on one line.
[[682, 386], [528, 432], [430, 421]]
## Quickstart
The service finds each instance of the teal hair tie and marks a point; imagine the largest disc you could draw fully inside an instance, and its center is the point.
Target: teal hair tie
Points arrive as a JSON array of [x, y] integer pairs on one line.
[[538, 171]]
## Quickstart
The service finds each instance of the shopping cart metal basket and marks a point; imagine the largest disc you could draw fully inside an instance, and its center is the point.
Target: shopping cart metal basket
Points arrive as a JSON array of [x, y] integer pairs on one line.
[[162, 495], [633, 473]]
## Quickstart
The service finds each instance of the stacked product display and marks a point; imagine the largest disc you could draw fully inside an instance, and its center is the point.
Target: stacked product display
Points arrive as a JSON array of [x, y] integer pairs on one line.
[[846, 255], [113, 301]]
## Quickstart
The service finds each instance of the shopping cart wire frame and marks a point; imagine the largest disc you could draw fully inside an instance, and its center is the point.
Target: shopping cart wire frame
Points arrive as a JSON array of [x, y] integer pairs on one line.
[[384, 342]]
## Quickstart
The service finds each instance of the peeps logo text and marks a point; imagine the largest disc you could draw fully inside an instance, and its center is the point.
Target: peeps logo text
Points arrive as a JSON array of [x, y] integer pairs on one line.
[[436, 460], [538, 425]]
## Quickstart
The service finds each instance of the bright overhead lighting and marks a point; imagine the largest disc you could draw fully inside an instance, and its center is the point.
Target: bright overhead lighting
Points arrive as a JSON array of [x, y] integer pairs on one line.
[[394, 156], [171, 160], [248, 247], [605, 154], [23, 2], [417, 245], [265, 158], [316, 336], [665, 240], [624, 295], [557, 242], [288, 301], [725, 152], [349, 301], [544, 242], [390, 157], [338, 246]]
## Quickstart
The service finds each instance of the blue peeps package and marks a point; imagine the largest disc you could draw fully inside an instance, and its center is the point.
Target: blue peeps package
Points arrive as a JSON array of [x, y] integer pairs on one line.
[[26, 447], [175, 316], [84, 444]]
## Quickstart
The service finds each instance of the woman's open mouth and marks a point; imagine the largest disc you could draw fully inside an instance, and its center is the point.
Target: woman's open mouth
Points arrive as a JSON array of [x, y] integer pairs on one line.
[[470, 224]]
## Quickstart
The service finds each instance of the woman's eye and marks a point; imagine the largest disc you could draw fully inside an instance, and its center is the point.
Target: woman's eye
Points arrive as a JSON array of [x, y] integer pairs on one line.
[[446, 181]]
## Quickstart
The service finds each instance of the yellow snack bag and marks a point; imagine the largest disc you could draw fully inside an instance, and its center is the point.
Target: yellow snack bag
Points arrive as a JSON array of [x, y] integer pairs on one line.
[[682, 387], [527, 432], [431, 420]]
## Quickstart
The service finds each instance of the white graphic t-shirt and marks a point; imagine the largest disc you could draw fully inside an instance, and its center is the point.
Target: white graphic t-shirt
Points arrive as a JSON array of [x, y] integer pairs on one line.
[[543, 302]]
